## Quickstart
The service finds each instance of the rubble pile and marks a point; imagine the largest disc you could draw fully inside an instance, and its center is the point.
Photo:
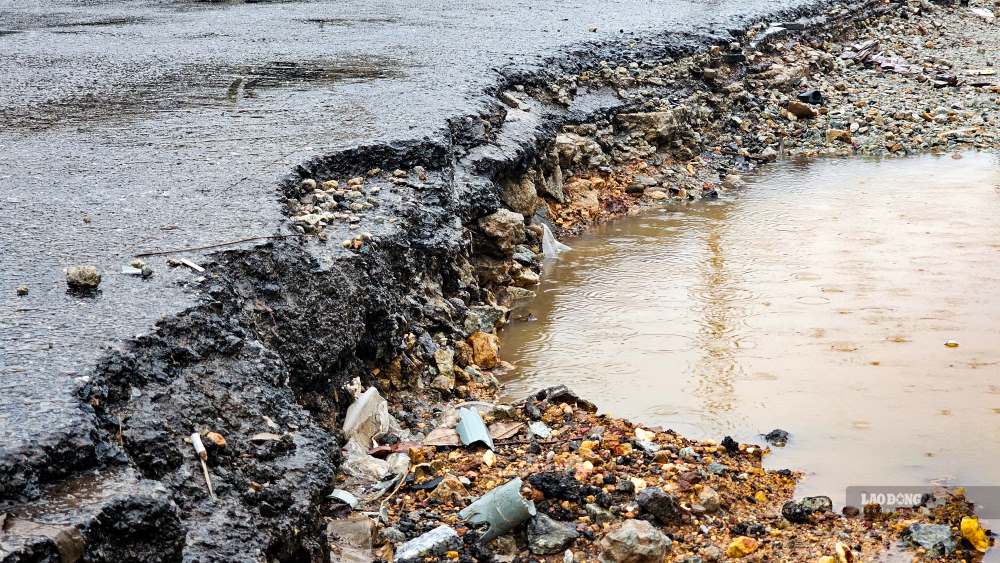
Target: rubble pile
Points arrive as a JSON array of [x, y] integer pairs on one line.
[[917, 77], [319, 203], [549, 479]]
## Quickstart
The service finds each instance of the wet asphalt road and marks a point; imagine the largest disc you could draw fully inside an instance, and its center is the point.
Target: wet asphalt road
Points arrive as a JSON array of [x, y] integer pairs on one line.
[[167, 124]]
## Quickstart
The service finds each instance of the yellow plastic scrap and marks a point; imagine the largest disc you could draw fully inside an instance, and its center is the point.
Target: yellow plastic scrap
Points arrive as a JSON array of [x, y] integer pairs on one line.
[[741, 547], [826, 559], [975, 534]]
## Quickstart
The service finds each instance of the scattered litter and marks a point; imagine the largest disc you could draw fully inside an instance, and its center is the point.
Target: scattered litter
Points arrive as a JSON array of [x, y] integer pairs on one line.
[[366, 418], [974, 534], [504, 430], [427, 485], [551, 247], [398, 464], [351, 539], [860, 51], [951, 344], [22, 290], [363, 466], [442, 437], [210, 246], [262, 437], [472, 429], [199, 448], [191, 265], [388, 449], [142, 271], [502, 509], [344, 497]]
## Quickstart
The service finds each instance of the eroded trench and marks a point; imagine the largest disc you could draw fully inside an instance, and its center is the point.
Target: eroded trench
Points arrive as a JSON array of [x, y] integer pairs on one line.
[[395, 258]]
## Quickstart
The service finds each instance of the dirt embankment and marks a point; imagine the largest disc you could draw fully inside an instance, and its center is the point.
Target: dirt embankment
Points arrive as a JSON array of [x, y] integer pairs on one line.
[[403, 262]]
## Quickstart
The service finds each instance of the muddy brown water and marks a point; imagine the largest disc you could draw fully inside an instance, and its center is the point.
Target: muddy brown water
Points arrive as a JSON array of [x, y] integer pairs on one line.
[[818, 300]]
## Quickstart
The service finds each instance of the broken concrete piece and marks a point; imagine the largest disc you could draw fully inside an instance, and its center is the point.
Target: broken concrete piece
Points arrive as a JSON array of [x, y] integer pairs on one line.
[[505, 228], [83, 278], [547, 536], [438, 541], [635, 541]]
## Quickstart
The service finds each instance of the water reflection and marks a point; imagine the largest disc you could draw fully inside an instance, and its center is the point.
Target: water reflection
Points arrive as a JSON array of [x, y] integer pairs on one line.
[[817, 301], [720, 304]]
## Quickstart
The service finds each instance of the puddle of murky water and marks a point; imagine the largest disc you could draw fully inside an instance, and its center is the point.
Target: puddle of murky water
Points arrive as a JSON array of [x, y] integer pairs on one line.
[[818, 301]]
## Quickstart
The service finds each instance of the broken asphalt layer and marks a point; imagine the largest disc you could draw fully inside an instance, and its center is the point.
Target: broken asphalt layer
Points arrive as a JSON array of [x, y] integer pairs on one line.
[[169, 125]]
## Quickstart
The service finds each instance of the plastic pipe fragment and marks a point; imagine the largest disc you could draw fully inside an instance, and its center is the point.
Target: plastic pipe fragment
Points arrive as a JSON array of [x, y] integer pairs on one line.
[[472, 429], [502, 510]]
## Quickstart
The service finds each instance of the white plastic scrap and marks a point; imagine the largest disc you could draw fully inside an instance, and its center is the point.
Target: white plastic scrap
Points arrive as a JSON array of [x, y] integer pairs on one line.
[[361, 465], [191, 265], [367, 417], [344, 497], [550, 246]]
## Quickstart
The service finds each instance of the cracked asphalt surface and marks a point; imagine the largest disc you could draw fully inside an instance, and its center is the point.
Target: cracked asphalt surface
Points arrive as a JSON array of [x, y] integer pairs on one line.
[[129, 127]]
